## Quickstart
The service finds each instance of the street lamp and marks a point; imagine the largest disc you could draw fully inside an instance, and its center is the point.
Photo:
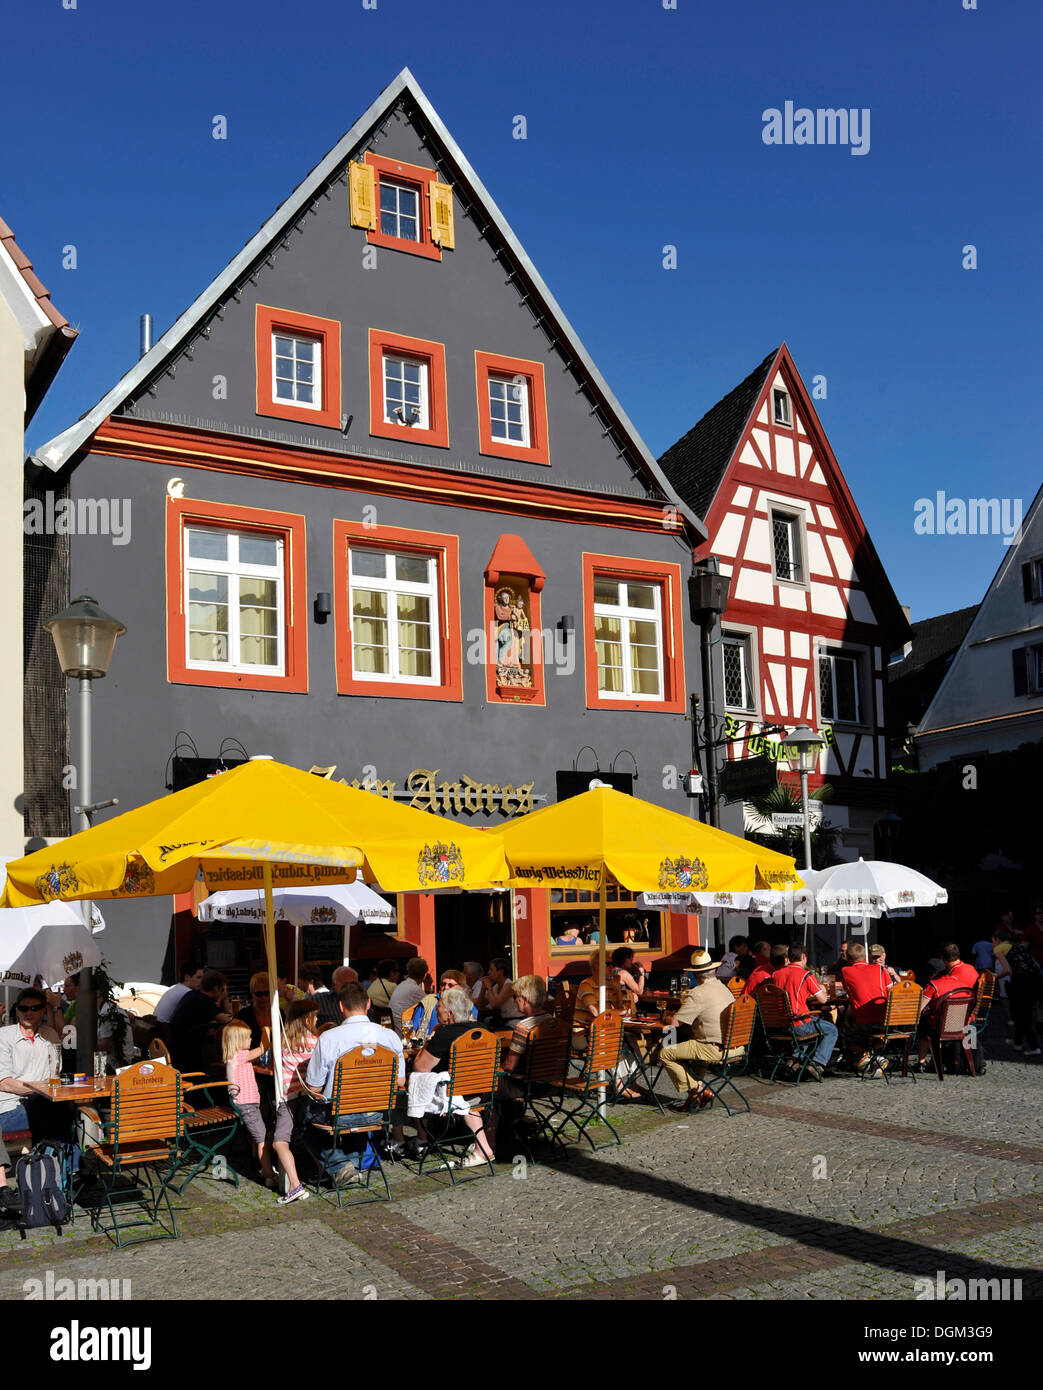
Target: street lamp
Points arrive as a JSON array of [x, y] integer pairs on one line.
[[808, 746], [84, 638]]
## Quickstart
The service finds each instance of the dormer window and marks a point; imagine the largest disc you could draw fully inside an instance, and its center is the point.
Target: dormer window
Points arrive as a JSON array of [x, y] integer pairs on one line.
[[782, 407]]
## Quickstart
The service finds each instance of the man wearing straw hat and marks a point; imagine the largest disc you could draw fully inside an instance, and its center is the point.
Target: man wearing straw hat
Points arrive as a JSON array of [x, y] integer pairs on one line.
[[701, 1012]]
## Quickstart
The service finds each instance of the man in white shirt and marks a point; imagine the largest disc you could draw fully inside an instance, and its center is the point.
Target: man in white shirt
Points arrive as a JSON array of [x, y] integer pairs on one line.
[[473, 973], [30, 1053], [191, 974], [344, 1165], [407, 995]]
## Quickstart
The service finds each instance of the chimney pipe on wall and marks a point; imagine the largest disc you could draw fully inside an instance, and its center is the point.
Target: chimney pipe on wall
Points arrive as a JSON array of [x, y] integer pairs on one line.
[[146, 334]]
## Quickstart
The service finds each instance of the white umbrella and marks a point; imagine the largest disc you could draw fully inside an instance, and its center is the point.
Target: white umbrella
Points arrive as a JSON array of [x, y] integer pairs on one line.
[[340, 903], [48, 941], [336, 904], [871, 887]]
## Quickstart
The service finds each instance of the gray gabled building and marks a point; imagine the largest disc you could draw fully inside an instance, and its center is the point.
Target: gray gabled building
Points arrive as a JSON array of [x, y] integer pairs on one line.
[[385, 517]]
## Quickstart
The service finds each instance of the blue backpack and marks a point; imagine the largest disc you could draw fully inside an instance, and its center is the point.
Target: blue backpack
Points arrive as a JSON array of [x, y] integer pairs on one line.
[[44, 1179]]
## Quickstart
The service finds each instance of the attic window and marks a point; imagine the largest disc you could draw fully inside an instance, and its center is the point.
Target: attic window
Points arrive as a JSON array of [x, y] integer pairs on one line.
[[399, 210], [403, 207], [782, 410]]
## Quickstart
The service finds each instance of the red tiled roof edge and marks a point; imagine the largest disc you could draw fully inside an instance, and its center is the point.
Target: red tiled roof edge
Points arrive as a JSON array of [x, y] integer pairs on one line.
[[25, 269]]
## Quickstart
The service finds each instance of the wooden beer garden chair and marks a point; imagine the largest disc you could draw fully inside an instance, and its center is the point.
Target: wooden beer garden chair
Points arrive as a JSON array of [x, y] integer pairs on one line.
[[901, 1016], [953, 1013], [474, 1073], [210, 1123], [587, 1092], [364, 1083], [544, 1068], [737, 1024], [784, 1042], [139, 1152]]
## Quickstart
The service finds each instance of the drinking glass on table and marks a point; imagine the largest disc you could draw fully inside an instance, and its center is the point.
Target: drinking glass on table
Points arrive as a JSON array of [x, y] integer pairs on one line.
[[100, 1061], [54, 1075]]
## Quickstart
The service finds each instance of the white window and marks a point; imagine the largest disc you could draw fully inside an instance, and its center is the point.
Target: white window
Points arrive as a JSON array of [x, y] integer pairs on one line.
[[838, 691], [297, 370], [394, 616], [406, 392], [509, 410], [628, 638], [738, 665], [786, 543], [399, 210], [234, 610], [782, 410]]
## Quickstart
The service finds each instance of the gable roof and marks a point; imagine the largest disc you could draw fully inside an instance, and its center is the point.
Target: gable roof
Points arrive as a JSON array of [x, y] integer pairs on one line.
[[57, 452], [697, 463], [708, 450], [978, 628], [933, 638], [49, 329]]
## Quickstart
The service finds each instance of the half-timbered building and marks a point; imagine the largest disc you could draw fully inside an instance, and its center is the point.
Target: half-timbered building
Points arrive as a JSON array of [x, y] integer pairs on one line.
[[811, 616]]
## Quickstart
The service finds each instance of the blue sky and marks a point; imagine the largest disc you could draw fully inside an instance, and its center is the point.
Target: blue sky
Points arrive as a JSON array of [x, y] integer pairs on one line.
[[644, 130]]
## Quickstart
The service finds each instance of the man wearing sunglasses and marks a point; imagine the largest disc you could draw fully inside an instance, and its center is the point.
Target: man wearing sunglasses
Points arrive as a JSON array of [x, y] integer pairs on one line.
[[29, 1055]]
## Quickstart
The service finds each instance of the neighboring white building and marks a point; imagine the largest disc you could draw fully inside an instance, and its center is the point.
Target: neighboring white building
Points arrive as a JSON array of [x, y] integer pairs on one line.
[[811, 616], [34, 339], [991, 699]]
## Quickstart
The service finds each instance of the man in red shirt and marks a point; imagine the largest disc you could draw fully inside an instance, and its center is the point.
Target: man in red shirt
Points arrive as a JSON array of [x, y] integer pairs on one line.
[[942, 982], [801, 986], [962, 972], [762, 970], [866, 984]]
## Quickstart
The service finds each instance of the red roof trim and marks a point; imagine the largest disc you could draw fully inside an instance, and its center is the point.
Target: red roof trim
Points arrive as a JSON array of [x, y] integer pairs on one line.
[[24, 265]]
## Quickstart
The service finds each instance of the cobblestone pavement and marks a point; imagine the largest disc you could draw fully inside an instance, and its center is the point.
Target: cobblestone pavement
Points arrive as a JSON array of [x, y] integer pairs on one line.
[[848, 1190]]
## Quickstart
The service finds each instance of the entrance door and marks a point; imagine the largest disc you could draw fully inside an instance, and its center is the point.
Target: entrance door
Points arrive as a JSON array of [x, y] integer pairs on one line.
[[472, 926]]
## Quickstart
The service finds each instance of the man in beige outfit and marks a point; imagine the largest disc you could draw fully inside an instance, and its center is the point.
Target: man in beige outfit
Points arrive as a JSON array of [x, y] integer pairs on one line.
[[701, 1011]]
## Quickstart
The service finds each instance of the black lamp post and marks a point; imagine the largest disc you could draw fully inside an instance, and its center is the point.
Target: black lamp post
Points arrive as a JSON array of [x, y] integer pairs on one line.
[[84, 638]]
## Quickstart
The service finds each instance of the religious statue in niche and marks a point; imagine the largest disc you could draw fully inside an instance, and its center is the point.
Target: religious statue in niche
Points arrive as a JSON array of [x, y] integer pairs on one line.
[[511, 626]]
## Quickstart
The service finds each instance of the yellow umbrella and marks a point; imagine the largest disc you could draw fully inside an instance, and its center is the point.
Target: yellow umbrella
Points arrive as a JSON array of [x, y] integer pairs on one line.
[[580, 842], [265, 823]]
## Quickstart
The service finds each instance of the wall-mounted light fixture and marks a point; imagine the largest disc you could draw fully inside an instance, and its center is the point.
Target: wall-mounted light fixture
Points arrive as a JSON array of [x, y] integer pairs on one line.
[[323, 606]]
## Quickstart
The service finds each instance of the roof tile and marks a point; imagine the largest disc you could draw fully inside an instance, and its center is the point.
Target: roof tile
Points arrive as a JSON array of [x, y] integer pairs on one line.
[[697, 463]]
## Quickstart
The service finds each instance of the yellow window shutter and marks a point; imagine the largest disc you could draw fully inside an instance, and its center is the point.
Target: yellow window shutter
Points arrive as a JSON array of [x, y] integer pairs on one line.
[[442, 233], [363, 196]]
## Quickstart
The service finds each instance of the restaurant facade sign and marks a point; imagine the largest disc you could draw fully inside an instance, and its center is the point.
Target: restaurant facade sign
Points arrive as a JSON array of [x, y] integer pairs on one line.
[[463, 797]]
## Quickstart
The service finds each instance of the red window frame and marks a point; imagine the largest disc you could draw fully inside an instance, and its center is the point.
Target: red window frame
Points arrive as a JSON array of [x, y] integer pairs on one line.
[[668, 577], [269, 320], [446, 549], [397, 171], [487, 364], [291, 528], [438, 408]]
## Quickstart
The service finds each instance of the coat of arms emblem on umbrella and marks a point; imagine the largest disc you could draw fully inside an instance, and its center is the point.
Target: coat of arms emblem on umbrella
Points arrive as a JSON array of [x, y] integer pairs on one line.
[[440, 863], [683, 872], [59, 878]]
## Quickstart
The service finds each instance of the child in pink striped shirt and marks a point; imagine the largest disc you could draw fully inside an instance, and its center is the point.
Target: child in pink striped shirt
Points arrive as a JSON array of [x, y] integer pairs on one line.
[[298, 1043], [243, 1092]]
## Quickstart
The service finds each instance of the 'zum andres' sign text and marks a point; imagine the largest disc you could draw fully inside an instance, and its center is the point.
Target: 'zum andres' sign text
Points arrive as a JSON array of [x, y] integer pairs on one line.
[[465, 797]]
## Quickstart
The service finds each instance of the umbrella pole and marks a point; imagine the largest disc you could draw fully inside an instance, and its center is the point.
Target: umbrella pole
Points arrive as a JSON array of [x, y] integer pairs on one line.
[[273, 980], [602, 932]]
